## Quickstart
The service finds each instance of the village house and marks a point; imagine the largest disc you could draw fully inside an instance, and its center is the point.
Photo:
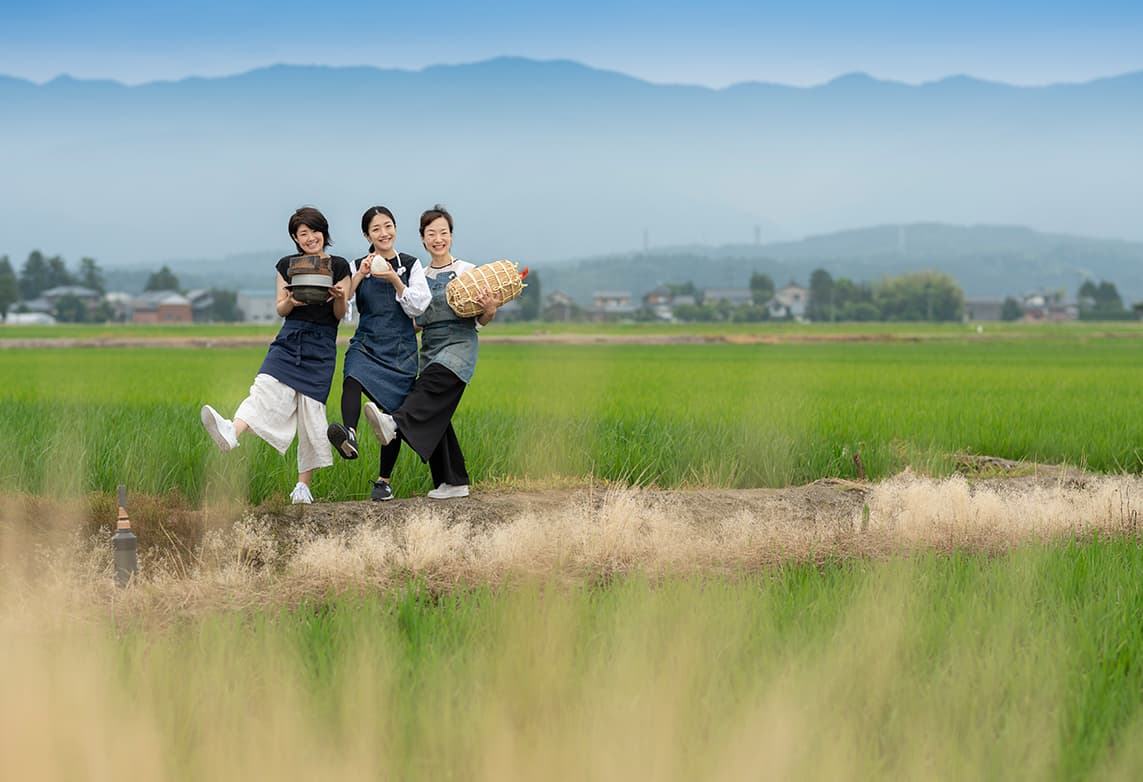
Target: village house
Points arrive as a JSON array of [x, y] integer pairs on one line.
[[202, 303], [559, 306], [611, 306], [1041, 307], [658, 302], [983, 309], [738, 297], [160, 307], [258, 307], [789, 302], [48, 300], [29, 319]]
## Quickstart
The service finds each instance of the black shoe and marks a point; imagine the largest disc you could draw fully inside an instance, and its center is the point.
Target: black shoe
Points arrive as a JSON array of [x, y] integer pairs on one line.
[[381, 491], [343, 439]]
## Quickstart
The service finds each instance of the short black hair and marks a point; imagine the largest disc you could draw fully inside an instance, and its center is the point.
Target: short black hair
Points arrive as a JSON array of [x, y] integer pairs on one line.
[[429, 215], [314, 220]]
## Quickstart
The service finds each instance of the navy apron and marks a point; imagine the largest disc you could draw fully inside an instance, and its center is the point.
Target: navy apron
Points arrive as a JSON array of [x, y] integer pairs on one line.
[[382, 354], [303, 356]]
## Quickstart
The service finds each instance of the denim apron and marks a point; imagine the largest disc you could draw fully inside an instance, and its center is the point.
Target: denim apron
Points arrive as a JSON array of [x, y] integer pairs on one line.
[[382, 354], [446, 338], [303, 356]]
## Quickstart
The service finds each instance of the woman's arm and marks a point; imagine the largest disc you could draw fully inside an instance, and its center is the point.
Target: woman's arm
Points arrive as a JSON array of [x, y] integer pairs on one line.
[[364, 269], [285, 300], [417, 295]]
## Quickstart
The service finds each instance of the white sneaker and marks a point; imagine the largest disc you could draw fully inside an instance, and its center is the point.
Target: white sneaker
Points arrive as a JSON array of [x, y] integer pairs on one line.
[[301, 495], [382, 424], [219, 429], [446, 491]]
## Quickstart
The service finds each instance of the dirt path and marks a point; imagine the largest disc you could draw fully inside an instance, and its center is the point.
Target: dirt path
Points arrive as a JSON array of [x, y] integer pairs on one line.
[[199, 559], [802, 506]]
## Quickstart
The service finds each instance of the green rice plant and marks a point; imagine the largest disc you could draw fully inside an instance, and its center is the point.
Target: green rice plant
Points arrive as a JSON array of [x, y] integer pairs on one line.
[[720, 415]]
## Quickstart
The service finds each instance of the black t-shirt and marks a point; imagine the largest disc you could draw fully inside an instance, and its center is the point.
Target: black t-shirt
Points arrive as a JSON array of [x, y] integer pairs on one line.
[[315, 313]]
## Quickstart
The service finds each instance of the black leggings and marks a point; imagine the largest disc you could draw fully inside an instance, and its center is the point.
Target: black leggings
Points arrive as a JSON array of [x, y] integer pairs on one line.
[[351, 391]]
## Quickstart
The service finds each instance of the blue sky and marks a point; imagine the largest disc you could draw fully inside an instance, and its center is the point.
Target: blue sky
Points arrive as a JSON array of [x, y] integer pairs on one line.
[[716, 43]]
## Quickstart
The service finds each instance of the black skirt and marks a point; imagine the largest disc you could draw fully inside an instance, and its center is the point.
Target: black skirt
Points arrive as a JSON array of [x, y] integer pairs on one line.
[[425, 414]]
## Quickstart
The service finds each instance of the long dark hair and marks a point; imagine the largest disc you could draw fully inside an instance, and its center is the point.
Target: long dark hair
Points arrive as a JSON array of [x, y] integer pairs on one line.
[[367, 218]]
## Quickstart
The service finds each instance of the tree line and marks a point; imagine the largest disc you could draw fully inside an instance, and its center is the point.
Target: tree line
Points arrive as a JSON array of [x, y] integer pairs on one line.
[[1094, 301], [41, 273], [916, 296]]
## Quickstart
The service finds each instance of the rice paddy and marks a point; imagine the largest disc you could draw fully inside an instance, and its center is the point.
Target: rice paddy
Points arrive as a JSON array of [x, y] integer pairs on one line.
[[674, 415]]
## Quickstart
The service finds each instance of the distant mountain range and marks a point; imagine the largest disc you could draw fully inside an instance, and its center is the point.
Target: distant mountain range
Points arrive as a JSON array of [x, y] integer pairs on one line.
[[550, 160], [989, 262]]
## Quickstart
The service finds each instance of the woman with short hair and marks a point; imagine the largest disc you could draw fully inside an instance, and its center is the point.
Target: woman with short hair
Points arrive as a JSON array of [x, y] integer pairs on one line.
[[447, 364], [290, 390]]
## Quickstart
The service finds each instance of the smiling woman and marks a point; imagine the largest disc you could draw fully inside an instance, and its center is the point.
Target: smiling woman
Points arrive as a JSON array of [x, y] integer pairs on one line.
[[289, 393], [390, 290]]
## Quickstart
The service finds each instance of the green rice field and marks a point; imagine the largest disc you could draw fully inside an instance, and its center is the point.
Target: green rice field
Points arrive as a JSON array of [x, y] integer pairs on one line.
[[79, 420]]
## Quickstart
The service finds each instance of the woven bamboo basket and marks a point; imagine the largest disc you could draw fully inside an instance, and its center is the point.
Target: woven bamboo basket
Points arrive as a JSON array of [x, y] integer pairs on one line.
[[501, 277]]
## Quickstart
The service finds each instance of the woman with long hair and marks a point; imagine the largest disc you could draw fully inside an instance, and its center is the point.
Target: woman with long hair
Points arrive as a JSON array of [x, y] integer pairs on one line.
[[381, 361]]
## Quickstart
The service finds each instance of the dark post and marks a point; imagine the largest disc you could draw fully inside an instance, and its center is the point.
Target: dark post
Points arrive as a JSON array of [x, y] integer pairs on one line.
[[124, 544], [860, 467]]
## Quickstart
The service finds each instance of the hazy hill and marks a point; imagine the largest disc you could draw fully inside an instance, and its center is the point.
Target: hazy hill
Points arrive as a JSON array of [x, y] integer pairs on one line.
[[550, 160], [987, 261]]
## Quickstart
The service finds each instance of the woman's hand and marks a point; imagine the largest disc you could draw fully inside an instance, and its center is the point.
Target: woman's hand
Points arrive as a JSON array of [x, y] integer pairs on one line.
[[339, 293], [365, 268], [488, 302], [383, 271], [284, 301]]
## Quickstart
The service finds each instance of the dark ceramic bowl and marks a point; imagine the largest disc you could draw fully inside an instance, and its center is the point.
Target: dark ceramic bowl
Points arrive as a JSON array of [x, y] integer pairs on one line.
[[311, 288]]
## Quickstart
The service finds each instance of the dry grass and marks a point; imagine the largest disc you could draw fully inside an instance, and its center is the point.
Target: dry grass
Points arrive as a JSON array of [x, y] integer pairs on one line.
[[175, 678], [199, 561]]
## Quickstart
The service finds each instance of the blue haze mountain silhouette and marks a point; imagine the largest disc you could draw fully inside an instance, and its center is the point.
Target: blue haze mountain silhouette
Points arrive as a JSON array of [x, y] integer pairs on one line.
[[550, 161]]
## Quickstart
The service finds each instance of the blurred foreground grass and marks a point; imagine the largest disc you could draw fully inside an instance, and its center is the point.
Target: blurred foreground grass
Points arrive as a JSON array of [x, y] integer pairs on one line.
[[951, 666]]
